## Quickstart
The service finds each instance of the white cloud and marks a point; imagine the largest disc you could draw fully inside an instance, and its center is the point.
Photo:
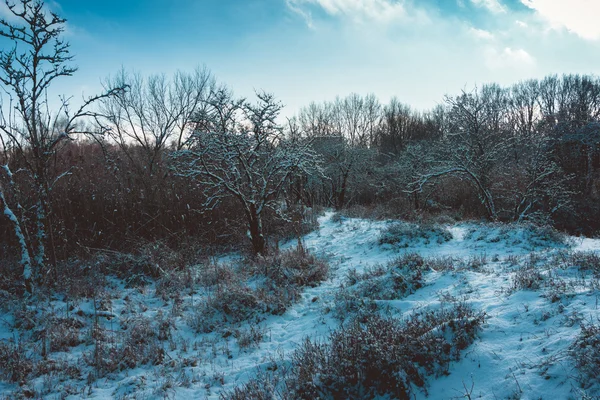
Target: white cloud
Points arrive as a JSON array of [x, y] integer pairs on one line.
[[357, 10], [577, 16], [508, 58], [493, 5], [521, 24], [481, 34]]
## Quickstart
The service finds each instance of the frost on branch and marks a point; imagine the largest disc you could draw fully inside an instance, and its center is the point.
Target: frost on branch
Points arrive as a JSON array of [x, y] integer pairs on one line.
[[238, 149]]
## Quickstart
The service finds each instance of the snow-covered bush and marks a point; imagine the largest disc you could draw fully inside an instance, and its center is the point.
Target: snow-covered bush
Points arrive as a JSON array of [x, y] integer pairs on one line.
[[348, 304], [250, 337], [265, 386], [585, 261], [399, 278], [15, 363], [116, 351], [296, 267], [213, 274], [527, 277], [382, 356], [404, 234], [63, 333], [516, 234], [585, 352], [173, 283], [232, 303]]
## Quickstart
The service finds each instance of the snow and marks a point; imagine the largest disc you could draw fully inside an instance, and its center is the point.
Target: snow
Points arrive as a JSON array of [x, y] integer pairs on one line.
[[520, 353]]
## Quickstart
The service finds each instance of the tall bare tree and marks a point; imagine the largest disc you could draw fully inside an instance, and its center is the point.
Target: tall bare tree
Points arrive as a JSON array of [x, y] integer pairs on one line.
[[32, 133]]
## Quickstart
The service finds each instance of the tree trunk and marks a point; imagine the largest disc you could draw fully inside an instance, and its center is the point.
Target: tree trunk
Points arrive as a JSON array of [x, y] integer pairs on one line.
[[256, 232], [341, 199], [589, 179], [25, 258]]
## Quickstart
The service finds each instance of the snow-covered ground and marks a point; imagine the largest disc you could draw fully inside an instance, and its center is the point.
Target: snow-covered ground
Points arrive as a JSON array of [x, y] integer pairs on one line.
[[521, 352]]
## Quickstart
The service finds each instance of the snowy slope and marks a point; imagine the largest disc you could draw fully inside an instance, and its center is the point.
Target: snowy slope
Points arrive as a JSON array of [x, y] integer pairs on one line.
[[520, 353]]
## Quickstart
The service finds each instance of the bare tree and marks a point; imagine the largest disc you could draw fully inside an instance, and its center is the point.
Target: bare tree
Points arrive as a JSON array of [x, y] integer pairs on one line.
[[239, 150], [154, 112], [474, 145], [32, 133]]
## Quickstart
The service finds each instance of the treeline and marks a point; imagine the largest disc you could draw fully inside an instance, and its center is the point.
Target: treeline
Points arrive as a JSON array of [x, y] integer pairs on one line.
[[529, 152], [525, 152]]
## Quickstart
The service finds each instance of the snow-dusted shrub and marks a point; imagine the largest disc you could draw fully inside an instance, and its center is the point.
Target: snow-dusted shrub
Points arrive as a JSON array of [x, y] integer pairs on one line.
[[277, 299], [15, 363], [399, 278], [382, 356], [544, 234], [173, 283], [527, 277], [213, 274], [404, 234], [296, 267], [250, 337], [348, 304], [585, 261], [231, 303], [516, 234], [558, 288], [585, 352], [116, 351], [265, 386], [151, 260], [63, 333], [477, 262]]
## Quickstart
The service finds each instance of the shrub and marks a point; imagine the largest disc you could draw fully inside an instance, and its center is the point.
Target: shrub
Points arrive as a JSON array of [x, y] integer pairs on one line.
[[231, 303], [585, 261], [585, 352], [263, 387], [296, 267], [277, 299], [404, 234], [15, 364], [172, 283], [399, 278], [116, 352], [63, 333], [213, 274], [516, 234], [250, 337], [527, 277], [382, 356], [349, 304]]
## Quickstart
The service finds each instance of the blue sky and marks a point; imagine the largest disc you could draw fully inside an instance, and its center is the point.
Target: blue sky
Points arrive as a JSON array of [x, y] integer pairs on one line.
[[313, 50]]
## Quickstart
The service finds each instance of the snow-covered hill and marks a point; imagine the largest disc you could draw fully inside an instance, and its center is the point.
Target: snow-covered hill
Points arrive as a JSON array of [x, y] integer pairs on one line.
[[535, 288]]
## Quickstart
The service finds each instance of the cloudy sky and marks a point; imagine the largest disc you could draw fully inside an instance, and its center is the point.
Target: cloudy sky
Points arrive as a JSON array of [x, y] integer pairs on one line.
[[313, 50]]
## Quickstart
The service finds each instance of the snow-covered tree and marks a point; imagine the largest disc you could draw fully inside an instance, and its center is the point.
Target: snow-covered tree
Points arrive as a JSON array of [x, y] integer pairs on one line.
[[32, 134], [474, 144], [239, 150]]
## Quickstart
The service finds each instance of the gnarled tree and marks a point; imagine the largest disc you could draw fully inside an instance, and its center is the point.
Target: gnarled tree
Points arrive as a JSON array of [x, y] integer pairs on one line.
[[238, 150]]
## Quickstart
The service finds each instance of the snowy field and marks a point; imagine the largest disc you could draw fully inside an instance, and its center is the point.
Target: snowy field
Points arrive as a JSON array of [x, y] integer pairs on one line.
[[535, 288]]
